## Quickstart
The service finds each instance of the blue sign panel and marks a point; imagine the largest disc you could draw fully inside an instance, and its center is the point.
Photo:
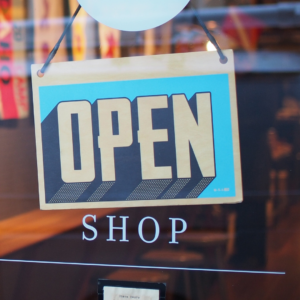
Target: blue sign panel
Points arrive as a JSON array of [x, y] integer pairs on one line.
[[145, 141]]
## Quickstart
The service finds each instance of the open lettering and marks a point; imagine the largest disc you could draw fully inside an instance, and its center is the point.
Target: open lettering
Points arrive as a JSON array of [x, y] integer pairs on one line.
[[151, 128]]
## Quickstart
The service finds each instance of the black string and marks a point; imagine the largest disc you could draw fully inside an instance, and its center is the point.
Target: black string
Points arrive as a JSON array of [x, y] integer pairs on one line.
[[41, 72], [223, 58], [54, 50]]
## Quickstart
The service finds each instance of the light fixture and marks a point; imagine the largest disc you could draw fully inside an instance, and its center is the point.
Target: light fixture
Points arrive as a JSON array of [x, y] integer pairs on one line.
[[210, 46]]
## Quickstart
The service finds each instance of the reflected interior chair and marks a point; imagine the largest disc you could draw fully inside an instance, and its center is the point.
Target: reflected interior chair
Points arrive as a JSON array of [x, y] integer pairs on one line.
[[142, 275], [180, 259], [206, 241]]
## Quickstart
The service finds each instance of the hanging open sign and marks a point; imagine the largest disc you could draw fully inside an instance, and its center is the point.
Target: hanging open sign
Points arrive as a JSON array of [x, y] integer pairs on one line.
[[142, 131]]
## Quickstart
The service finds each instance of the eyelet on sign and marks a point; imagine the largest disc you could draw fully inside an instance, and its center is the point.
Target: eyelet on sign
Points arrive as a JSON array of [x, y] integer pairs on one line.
[[40, 74], [223, 60]]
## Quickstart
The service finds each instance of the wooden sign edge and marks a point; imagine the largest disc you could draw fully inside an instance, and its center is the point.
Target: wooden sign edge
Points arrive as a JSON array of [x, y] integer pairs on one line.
[[212, 66]]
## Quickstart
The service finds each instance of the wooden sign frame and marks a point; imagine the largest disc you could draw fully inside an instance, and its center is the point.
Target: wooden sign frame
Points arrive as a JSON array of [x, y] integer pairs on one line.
[[173, 77]]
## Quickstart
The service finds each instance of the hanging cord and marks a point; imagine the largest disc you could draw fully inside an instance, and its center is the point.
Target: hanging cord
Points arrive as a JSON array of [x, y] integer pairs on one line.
[[223, 58], [51, 55], [41, 72]]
